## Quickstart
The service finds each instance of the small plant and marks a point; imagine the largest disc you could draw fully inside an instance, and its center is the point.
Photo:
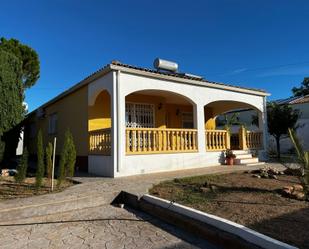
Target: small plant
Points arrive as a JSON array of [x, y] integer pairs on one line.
[[229, 157], [40, 165], [22, 167], [49, 163], [229, 154], [67, 159]]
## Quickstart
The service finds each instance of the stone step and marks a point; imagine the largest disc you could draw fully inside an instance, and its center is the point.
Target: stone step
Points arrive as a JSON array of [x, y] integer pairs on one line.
[[243, 156], [246, 160], [240, 152]]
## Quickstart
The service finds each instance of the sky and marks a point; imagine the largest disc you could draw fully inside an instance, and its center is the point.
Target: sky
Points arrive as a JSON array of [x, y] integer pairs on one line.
[[262, 44]]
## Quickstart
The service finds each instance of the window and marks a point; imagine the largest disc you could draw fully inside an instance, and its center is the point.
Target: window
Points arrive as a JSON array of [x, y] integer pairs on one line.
[[139, 115], [187, 120], [52, 123]]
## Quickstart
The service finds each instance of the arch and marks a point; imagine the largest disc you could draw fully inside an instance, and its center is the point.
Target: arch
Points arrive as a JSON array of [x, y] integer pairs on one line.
[[169, 108], [93, 95], [213, 109], [99, 114]]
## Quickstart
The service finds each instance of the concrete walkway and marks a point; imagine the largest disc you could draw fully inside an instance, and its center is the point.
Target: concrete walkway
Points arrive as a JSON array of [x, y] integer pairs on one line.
[[81, 217]]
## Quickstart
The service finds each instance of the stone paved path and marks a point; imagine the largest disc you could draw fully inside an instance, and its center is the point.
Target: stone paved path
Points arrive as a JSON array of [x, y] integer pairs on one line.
[[81, 217], [99, 227]]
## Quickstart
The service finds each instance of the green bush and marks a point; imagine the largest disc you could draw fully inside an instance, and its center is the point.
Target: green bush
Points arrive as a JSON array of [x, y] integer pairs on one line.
[[67, 159], [22, 167], [49, 162], [40, 165]]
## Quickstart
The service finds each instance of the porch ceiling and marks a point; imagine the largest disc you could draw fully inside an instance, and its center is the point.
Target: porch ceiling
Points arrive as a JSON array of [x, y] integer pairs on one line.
[[171, 98]]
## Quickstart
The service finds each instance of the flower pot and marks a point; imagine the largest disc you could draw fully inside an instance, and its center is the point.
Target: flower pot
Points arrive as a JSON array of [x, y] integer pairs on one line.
[[229, 161]]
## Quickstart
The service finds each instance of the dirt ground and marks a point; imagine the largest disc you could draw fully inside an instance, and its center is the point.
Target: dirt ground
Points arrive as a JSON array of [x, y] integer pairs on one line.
[[9, 189], [253, 202]]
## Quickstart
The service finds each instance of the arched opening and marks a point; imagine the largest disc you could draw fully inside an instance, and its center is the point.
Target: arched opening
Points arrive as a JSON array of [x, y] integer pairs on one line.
[[159, 121], [232, 125], [99, 124]]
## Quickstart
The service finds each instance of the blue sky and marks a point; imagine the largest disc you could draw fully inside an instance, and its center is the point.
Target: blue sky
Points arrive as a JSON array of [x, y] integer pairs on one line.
[[261, 44]]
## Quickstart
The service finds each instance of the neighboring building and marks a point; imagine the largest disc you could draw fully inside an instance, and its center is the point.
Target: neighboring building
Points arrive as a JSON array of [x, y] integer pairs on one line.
[[128, 120], [301, 104]]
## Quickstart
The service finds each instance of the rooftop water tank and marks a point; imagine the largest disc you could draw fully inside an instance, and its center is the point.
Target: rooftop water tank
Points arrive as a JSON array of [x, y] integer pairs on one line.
[[161, 64]]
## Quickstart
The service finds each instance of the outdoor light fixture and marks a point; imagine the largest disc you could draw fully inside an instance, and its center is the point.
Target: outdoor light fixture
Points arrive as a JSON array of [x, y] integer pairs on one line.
[[160, 106], [177, 112]]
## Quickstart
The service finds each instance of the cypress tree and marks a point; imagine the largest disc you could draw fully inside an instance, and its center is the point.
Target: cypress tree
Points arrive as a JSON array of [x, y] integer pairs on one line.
[[71, 156], [48, 157], [22, 167], [40, 164]]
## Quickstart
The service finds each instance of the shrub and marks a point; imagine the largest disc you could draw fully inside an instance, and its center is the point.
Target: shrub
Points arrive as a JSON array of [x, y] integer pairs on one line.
[[67, 159], [40, 165], [22, 167], [48, 157]]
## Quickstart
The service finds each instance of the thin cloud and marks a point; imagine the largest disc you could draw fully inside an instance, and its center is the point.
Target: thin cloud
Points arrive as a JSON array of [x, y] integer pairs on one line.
[[240, 70], [295, 70]]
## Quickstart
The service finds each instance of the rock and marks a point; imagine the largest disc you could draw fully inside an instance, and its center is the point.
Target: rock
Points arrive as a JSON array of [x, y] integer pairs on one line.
[[298, 195], [204, 190], [298, 187], [281, 172], [213, 188], [273, 177], [264, 175], [286, 192], [288, 189], [256, 176]]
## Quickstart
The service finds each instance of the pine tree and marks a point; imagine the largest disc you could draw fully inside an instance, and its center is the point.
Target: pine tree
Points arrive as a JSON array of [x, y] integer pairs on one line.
[[40, 165], [22, 167]]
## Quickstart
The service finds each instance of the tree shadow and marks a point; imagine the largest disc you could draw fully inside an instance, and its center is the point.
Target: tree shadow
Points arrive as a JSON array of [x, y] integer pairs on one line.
[[291, 228]]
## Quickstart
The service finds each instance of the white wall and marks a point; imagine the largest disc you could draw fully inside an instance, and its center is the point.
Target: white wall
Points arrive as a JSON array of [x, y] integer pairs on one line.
[[199, 96]]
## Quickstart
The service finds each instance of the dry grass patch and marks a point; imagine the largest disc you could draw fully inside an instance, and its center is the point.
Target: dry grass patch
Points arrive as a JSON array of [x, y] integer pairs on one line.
[[253, 202], [9, 189]]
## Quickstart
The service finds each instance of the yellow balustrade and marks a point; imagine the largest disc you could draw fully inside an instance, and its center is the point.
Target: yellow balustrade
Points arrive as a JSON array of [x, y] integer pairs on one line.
[[254, 139], [100, 142], [156, 140], [217, 140]]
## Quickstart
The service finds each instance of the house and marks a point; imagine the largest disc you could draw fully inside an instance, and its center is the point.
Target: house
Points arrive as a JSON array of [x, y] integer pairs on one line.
[[128, 120]]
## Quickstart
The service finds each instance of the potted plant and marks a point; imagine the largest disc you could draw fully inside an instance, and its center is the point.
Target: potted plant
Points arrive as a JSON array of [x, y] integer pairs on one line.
[[229, 157]]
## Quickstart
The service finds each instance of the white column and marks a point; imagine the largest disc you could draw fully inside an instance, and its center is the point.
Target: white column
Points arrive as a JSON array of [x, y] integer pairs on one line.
[[200, 126], [114, 115], [263, 127]]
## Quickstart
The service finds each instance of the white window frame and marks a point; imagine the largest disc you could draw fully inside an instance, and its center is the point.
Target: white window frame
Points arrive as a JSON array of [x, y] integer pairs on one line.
[[52, 123], [148, 122]]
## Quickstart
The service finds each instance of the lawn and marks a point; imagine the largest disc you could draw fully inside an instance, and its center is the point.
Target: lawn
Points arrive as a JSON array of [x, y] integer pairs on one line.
[[9, 189], [253, 202]]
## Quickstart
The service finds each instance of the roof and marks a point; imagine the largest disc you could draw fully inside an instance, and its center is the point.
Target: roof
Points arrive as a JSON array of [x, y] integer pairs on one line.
[[182, 76], [116, 65], [293, 100]]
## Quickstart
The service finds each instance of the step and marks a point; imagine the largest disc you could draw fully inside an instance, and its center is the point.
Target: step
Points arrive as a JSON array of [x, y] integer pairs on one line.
[[243, 156], [246, 160], [240, 152], [253, 164]]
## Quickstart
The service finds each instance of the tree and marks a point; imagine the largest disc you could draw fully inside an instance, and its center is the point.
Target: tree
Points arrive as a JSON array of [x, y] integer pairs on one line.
[[11, 92], [19, 69], [67, 158], [303, 158], [49, 163], [303, 90], [280, 119], [40, 164], [22, 167], [28, 57]]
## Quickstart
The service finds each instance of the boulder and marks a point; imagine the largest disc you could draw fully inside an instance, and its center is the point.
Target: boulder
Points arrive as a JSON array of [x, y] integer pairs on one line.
[[298, 187]]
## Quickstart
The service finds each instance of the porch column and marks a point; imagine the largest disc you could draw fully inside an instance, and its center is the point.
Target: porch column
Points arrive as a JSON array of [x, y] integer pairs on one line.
[[263, 124], [200, 126]]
